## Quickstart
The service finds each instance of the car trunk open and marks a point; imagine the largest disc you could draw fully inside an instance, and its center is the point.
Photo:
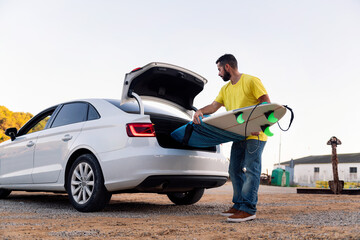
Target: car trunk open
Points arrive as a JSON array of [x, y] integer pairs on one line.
[[164, 124], [169, 84]]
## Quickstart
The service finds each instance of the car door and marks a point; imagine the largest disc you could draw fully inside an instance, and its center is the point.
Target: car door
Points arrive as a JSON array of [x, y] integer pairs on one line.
[[53, 144], [16, 157]]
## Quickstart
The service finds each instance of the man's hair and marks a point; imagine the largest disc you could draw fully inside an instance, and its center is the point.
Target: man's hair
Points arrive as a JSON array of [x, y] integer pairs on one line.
[[227, 59]]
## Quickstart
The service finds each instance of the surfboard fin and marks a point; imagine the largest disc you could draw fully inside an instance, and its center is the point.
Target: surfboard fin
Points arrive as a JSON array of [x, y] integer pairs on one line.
[[270, 117], [239, 118], [266, 130]]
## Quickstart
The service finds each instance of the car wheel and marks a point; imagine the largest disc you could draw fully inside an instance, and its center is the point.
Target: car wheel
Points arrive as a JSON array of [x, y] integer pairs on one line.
[[4, 193], [186, 198], [85, 185]]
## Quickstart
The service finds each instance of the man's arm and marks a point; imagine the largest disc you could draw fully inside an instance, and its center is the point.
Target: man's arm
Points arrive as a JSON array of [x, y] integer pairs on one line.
[[208, 109], [264, 98]]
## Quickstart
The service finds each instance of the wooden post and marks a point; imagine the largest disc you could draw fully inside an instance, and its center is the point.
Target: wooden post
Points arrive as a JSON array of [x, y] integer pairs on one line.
[[336, 186]]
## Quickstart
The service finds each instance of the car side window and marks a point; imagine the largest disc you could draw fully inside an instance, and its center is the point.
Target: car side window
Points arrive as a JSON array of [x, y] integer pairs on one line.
[[71, 113], [92, 114], [40, 125], [38, 122]]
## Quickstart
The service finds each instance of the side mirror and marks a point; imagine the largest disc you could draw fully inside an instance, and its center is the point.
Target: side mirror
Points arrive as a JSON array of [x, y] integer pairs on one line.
[[11, 132]]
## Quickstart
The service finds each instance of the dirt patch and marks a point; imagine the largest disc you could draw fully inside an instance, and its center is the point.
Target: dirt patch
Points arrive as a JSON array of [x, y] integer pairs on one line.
[[282, 214]]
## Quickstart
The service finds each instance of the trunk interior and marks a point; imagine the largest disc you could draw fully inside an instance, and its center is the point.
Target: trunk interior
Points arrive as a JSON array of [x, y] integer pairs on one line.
[[164, 125]]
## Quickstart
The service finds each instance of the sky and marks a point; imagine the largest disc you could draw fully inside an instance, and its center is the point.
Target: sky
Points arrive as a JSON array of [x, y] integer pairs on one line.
[[306, 53]]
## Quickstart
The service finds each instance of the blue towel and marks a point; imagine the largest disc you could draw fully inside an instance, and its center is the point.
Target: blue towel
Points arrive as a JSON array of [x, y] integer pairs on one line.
[[203, 135]]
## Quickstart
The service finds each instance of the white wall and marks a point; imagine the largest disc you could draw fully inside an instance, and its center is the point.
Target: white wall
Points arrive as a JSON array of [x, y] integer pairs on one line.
[[304, 173]]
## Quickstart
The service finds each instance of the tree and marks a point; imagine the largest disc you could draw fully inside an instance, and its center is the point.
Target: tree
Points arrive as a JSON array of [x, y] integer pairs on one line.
[[10, 119]]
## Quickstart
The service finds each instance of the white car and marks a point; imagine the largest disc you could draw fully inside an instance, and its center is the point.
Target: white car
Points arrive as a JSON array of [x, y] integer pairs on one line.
[[96, 147]]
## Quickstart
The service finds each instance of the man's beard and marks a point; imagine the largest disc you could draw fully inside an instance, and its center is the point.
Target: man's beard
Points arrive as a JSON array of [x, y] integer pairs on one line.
[[226, 76]]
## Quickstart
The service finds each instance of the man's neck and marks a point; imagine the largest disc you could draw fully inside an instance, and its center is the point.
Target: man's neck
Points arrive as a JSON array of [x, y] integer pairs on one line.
[[235, 78]]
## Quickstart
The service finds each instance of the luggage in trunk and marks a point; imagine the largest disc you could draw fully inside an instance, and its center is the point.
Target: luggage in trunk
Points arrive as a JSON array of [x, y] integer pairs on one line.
[[165, 125]]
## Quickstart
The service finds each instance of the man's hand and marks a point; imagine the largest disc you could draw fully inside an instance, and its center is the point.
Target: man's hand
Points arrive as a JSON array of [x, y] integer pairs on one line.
[[264, 98], [255, 133], [197, 116], [209, 109]]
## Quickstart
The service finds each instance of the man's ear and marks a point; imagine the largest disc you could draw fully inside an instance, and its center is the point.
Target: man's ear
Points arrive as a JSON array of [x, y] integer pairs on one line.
[[227, 67]]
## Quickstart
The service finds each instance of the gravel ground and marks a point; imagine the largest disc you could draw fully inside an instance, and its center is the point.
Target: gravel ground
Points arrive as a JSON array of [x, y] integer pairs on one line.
[[282, 214]]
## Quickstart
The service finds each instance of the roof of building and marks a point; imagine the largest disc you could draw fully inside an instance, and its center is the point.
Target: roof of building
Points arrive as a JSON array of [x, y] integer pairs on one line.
[[342, 158]]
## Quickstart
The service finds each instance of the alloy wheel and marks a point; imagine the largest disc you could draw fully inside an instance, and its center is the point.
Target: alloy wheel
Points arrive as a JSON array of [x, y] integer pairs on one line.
[[82, 183]]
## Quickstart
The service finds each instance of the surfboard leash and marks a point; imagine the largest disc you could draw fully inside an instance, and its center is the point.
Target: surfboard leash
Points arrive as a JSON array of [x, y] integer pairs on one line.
[[291, 119], [246, 123], [284, 130]]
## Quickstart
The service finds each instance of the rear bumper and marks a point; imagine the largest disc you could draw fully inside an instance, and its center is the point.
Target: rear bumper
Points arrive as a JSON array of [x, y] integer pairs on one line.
[[166, 183], [128, 167]]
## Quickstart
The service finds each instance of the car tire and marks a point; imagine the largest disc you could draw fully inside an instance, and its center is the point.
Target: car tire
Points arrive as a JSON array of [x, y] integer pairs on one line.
[[85, 185], [4, 193], [186, 198]]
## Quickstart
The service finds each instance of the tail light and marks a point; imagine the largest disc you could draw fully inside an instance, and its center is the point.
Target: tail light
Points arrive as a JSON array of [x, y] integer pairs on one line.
[[136, 69], [140, 130]]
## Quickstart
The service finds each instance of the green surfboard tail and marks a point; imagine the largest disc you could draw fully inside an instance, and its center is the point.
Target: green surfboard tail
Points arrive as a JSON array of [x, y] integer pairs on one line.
[[270, 117], [266, 130], [239, 118]]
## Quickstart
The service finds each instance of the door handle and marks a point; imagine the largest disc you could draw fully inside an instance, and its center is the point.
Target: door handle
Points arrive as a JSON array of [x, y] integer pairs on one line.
[[67, 137], [30, 144]]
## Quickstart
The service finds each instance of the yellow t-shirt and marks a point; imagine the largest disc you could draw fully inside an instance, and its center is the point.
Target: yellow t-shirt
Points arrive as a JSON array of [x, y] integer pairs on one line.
[[244, 93]]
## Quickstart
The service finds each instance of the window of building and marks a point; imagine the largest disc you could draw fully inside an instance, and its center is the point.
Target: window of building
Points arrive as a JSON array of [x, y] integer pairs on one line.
[[353, 169], [316, 169]]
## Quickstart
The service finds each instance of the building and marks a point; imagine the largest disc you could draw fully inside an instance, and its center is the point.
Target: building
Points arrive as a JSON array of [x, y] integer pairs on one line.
[[306, 171]]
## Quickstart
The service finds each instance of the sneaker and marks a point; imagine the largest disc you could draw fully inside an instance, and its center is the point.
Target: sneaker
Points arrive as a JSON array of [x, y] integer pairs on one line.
[[229, 212], [241, 216]]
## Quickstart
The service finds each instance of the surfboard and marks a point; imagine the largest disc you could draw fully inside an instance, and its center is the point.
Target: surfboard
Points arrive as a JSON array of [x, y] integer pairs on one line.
[[244, 121]]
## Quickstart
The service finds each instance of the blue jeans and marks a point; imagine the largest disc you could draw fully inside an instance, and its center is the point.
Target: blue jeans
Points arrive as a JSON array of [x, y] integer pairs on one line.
[[245, 171]]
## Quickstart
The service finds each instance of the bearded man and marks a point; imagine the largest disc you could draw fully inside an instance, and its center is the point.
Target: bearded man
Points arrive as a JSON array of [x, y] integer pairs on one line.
[[241, 90]]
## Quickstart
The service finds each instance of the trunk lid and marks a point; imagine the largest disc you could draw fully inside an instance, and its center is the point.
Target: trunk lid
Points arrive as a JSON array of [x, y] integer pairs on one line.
[[163, 82]]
